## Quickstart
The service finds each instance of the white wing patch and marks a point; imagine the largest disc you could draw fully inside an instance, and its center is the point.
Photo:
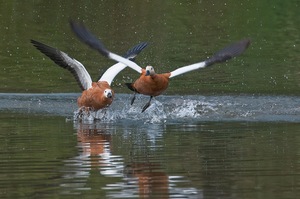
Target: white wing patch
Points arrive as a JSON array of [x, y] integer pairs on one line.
[[111, 72], [82, 74], [188, 68], [125, 61]]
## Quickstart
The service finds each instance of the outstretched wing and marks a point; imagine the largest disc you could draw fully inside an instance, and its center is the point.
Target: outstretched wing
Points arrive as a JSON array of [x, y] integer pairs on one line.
[[221, 56], [87, 37], [111, 72], [228, 52], [135, 50], [65, 61]]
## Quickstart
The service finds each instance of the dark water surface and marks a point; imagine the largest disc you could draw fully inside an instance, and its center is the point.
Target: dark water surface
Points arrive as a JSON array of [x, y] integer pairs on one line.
[[215, 147], [121, 160], [229, 131]]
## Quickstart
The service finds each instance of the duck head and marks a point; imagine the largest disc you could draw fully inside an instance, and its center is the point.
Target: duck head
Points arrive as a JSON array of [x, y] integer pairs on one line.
[[108, 93], [149, 71]]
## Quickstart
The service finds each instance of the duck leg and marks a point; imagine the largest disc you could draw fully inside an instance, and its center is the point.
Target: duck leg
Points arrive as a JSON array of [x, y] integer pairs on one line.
[[147, 105], [133, 98], [83, 110]]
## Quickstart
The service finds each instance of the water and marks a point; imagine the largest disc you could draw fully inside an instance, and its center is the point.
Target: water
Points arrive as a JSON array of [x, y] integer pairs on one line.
[[228, 131], [164, 109], [178, 34], [207, 160], [215, 147]]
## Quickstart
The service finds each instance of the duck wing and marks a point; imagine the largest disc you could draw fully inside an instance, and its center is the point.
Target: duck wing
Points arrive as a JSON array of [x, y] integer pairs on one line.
[[87, 37], [223, 55], [65, 61], [111, 72]]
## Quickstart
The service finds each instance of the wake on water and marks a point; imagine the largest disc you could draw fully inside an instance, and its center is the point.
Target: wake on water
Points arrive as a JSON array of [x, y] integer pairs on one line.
[[163, 108], [201, 108], [159, 111]]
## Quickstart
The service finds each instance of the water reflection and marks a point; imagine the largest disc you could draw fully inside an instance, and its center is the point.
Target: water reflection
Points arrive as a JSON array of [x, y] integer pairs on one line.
[[141, 174], [95, 145], [93, 154], [149, 177], [50, 158]]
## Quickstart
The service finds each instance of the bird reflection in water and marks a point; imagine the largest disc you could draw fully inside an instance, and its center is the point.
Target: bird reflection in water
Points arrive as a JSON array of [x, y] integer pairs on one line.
[[94, 143], [141, 175], [94, 146], [151, 180], [146, 176]]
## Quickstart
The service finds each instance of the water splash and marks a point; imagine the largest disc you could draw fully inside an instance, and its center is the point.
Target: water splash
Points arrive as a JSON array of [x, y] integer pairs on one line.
[[192, 108], [154, 114]]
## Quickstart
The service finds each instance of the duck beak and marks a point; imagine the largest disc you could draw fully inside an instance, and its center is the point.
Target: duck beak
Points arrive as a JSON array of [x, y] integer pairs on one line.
[[147, 73], [109, 95]]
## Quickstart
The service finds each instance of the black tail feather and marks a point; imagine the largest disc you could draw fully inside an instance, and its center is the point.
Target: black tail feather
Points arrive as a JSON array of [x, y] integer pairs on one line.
[[130, 86]]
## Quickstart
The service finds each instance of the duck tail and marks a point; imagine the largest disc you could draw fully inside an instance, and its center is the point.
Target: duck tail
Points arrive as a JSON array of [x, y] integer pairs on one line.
[[130, 86]]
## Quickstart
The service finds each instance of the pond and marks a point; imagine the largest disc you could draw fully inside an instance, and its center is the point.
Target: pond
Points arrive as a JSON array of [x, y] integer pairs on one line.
[[214, 147], [227, 131]]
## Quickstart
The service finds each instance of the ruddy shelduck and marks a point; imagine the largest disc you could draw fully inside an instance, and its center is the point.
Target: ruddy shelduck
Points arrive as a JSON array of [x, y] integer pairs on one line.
[[150, 83], [95, 95]]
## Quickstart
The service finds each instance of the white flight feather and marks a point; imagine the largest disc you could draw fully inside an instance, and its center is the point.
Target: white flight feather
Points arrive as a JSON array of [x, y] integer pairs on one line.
[[188, 68], [111, 72], [84, 77], [125, 61], [137, 68]]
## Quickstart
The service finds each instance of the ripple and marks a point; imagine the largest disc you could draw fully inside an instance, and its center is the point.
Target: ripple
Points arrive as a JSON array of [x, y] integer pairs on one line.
[[163, 108]]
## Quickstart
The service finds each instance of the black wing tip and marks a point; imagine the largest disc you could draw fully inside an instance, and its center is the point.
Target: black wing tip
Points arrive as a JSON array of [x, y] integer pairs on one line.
[[141, 46], [45, 49], [229, 52], [144, 44], [54, 55], [134, 51], [88, 38], [36, 43], [236, 48], [75, 25], [247, 40], [33, 41], [245, 43]]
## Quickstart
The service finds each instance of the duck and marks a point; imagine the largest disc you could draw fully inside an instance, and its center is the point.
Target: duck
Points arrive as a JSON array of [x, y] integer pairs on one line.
[[150, 83], [95, 95]]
